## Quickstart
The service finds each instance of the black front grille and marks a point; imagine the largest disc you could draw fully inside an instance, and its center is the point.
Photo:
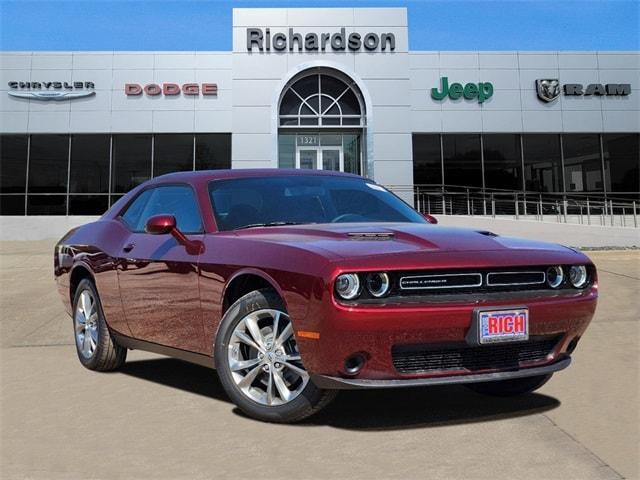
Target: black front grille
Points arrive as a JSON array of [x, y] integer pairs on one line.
[[515, 278], [438, 357], [448, 280]]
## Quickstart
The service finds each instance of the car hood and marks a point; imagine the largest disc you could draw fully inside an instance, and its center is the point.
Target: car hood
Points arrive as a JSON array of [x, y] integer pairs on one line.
[[357, 240]]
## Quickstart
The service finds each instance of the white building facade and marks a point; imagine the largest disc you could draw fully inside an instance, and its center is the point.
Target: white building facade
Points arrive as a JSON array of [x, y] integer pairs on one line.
[[316, 88]]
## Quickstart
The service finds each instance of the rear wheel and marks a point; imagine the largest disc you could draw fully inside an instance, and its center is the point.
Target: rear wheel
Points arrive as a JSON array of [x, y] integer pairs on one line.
[[510, 388], [95, 347], [259, 365]]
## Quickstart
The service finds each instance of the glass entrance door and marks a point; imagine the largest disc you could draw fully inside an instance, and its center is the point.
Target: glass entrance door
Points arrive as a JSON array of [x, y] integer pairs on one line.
[[307, 158], [320, 158]]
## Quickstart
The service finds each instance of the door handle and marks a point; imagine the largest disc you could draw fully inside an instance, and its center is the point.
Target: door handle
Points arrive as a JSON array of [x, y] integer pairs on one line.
[[128, 247]]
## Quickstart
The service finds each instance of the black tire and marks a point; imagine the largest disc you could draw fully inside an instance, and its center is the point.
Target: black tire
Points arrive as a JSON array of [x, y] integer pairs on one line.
[[510, 388], [107, 355], [310, 400]]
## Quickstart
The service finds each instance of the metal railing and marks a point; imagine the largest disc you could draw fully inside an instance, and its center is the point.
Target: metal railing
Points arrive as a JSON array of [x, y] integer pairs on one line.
[[581, 208]]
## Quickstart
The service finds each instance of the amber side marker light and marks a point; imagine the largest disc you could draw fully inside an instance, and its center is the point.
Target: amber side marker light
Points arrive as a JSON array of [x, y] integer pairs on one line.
[[305, 334]]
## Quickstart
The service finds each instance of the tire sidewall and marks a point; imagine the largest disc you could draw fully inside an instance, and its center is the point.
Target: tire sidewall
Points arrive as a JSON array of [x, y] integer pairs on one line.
[[305, 401], [90, 363]]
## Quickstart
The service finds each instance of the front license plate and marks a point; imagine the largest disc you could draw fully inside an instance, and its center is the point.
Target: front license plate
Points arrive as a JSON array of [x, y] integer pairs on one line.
[[503, 325]]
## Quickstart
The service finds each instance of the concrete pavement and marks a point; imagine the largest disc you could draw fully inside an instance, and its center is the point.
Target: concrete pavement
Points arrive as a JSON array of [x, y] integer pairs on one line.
[[161, 418]]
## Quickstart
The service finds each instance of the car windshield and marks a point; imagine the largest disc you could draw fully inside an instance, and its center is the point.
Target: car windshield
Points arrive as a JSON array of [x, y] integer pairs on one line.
[[294, 199]]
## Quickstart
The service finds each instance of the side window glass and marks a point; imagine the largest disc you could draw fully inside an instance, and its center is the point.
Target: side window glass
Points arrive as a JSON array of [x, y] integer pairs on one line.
[[176, 200], [132, 214]]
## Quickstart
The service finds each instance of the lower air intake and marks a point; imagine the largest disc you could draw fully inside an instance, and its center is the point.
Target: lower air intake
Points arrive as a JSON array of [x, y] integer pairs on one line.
[[426, 358]]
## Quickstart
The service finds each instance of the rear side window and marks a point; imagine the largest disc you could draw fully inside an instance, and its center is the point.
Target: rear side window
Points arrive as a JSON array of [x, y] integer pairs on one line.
[[176, 200]]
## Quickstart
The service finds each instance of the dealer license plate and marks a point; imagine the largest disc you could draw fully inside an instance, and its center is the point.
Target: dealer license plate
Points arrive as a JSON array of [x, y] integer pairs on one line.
[[503, 325]]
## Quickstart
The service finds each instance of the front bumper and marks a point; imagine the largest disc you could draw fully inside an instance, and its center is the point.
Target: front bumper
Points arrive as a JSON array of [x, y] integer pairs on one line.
[[339, 383], [374, 332]]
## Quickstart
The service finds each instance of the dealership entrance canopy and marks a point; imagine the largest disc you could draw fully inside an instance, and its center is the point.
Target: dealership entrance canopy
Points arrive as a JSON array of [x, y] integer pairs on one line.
[[333, 89]]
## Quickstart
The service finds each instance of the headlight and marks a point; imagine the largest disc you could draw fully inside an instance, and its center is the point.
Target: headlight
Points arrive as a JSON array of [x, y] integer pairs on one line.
[[348, 286], [555, 276], [578, 276], [378, 284]]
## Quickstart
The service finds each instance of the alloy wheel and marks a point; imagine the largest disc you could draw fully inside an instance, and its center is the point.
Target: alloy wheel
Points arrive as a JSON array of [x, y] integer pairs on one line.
[[264, 360], [86, 324]]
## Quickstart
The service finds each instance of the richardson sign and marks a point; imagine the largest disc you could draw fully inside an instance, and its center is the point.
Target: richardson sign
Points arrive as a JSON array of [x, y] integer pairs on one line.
[[169, 89], [548, 89], [265, 41], [51, 90]]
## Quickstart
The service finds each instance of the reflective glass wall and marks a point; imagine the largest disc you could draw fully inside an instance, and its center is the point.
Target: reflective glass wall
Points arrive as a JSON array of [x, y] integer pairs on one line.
[[84, 174], [540, 163]]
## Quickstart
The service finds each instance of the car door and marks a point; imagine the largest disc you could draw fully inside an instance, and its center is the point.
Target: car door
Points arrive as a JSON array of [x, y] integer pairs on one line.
[[157, 276]]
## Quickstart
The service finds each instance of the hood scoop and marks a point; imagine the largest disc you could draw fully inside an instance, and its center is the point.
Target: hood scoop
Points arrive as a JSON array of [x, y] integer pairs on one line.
[[371, 236], [486, 233]]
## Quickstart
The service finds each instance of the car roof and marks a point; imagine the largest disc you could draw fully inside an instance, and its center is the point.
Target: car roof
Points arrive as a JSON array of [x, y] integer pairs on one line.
[[207, 175]]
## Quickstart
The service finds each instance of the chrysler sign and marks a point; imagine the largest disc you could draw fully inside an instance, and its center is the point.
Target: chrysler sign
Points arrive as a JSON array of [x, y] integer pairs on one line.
[[51, 90], [266, 40]]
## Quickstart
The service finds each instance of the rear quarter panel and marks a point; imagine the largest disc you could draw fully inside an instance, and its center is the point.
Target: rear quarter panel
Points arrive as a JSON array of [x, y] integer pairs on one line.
[[93, 247]]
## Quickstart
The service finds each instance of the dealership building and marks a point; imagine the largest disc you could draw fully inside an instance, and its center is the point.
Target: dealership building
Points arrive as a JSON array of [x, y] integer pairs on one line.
[[333, 89]]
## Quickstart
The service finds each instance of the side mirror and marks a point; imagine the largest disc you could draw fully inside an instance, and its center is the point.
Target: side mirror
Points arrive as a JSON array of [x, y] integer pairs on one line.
[[163, 224], [160, 225], [430, 218]]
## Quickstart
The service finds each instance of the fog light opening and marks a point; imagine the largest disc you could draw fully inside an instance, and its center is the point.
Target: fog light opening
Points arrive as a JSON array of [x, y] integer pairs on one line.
[[354, 363], [572, 345]]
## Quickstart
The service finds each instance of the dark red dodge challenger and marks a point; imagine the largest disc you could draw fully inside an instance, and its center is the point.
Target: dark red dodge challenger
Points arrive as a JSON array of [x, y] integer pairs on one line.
[[295, 284]]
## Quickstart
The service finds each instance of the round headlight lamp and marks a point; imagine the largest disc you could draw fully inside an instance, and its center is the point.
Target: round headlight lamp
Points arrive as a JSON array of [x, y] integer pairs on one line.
[[555, 276], [348, 286], [378, 284], [578, 276]]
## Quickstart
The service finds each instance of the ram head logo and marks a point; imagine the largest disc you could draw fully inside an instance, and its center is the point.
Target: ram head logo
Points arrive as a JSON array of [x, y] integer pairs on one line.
[[548, 89]]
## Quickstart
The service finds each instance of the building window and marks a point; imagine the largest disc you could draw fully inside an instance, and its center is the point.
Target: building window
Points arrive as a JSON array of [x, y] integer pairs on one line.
[[582, 163], [427, 164], [321, 151], [502, 162], [89, 164], [48, 172], [213, 151], [542, 163], [622, 162], [88, 204], [131, 162], [321, 100], [13, 173], [462, 160], [351, 151], [48, 164], [12, 204], [172, 153], [46, 205], [13, 163]]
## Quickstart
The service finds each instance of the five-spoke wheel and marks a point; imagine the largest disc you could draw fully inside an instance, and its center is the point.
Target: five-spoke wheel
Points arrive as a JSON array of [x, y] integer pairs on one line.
[[259, 364], [86, 324], [96, 348], [264, 359]]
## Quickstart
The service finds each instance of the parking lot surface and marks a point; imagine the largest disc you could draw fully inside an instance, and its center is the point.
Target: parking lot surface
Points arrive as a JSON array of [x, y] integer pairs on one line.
[[161, 418]]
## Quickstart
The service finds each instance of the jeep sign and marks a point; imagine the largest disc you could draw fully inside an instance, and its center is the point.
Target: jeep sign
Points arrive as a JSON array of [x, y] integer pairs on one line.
[[481, 91]]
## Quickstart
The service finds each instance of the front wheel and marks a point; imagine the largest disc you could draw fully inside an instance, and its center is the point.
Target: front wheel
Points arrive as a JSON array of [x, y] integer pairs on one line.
[[259, 365], [510, 388]]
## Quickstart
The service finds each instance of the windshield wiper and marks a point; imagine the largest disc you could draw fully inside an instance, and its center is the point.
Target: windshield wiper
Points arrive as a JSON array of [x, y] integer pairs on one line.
[[268, 224]]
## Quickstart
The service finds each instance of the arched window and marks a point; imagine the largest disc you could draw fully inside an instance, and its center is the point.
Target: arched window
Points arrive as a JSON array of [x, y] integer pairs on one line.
[[321, 100]]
